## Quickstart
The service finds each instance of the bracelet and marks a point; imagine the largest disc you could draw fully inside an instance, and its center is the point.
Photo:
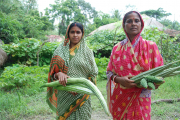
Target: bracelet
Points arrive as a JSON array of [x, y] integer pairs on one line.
[[55, 76], [114, 78]]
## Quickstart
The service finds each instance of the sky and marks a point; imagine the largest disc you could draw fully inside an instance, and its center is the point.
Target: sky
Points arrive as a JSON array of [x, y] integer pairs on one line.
[[106, 6]]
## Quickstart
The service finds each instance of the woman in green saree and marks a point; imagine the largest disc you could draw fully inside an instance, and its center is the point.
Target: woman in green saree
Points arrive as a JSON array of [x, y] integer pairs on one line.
[[74, 59]]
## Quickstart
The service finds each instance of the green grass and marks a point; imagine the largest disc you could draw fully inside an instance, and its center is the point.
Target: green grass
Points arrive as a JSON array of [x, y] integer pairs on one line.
[[96, 105], [13, 107], [169, 90]]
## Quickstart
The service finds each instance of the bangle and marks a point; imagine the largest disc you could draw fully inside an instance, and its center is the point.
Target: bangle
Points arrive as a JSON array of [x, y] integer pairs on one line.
[[55, 76], [114, 78]]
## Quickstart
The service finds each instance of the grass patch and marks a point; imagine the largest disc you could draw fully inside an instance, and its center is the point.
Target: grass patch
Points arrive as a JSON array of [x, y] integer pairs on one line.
[[14, 109], [169, 90], [96, 105]]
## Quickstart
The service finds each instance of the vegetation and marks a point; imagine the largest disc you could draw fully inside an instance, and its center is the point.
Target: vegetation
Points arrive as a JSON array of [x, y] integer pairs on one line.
[[25, 52], [158, 14]]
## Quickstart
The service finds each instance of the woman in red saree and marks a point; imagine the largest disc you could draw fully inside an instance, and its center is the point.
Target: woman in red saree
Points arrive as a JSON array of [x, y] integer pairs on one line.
[[129, 58]]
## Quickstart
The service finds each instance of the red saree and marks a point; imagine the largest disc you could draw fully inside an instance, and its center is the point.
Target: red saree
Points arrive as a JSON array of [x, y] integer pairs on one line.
[[131, 58]]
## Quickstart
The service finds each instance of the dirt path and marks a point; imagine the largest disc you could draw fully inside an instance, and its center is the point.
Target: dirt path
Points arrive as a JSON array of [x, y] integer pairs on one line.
[[100, 115]]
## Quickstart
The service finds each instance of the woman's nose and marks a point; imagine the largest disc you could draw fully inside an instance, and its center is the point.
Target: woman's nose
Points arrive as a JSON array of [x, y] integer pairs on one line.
[[133, 22], [75, 34]]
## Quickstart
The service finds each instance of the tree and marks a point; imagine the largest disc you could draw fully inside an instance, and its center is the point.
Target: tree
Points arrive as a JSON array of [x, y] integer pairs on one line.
[[116, 15], [11, 6], [104, 19], [10, 29], [171, 25], [16, 24], [30, 5], [157, 14], [130, 7], [71, 10]]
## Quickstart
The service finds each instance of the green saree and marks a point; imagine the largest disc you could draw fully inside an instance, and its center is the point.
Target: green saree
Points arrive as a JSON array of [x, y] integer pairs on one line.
[[76, 62]]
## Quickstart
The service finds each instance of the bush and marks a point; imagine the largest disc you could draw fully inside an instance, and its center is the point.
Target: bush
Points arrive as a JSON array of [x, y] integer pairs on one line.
[[25, 52], [18, 76], [101, 42], [102, 66], [10, 29]]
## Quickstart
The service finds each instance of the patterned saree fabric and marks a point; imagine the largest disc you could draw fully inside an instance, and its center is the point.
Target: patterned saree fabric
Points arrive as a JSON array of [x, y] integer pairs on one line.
[[75, 62], [131, 58]]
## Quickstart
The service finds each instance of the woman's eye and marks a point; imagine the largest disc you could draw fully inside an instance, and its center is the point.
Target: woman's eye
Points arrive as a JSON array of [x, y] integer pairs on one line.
[[129, 21], [137, 20], [78, 32]]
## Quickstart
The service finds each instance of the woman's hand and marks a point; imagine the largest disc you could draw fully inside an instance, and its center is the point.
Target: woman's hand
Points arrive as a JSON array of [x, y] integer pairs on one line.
[[157, 85], [73, 93], [125, 81], [62, 77]]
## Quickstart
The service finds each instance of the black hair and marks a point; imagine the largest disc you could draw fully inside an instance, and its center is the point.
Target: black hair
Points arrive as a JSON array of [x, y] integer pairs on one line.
[[126, 15], [79, 25]]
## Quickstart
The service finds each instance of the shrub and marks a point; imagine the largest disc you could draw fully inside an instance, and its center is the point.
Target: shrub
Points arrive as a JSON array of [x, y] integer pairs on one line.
[[25, 52], [18, 76], [102, 65]]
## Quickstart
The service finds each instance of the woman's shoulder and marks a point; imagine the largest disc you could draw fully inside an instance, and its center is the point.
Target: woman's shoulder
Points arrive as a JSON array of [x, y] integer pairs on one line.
[[149, 42], [119, 44]]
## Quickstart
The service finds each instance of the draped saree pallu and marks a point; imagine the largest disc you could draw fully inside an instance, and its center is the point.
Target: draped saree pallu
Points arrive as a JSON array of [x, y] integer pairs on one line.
[[75, 62], [131, 58]]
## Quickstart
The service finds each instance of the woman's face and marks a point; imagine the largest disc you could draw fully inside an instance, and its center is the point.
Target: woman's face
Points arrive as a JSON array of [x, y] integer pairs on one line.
[[75, 35], [132, 24]]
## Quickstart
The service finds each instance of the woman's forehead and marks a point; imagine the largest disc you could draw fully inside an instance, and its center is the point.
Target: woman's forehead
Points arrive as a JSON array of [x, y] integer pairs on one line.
[[133, 16], [75, 28]]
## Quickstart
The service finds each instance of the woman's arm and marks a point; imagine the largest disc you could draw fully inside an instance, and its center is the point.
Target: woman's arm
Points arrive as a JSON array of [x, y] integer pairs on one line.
[[124, 81]]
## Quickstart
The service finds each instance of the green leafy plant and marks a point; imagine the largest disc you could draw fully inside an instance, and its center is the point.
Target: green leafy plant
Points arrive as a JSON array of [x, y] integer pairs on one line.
[[101, 42], [102, 66], [18, 76], [169, 48], [25, 52]]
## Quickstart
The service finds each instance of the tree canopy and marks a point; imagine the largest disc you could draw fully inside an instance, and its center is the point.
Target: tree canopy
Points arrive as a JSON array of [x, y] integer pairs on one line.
[[20, 19], [158, 14], [71, 10]]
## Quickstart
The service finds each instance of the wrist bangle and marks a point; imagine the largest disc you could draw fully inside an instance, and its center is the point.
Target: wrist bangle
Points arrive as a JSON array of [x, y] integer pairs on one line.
[[55, 76], [114, 78]]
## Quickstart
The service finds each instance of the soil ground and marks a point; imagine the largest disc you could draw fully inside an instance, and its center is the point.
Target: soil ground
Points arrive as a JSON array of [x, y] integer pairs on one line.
[[100, 115]]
